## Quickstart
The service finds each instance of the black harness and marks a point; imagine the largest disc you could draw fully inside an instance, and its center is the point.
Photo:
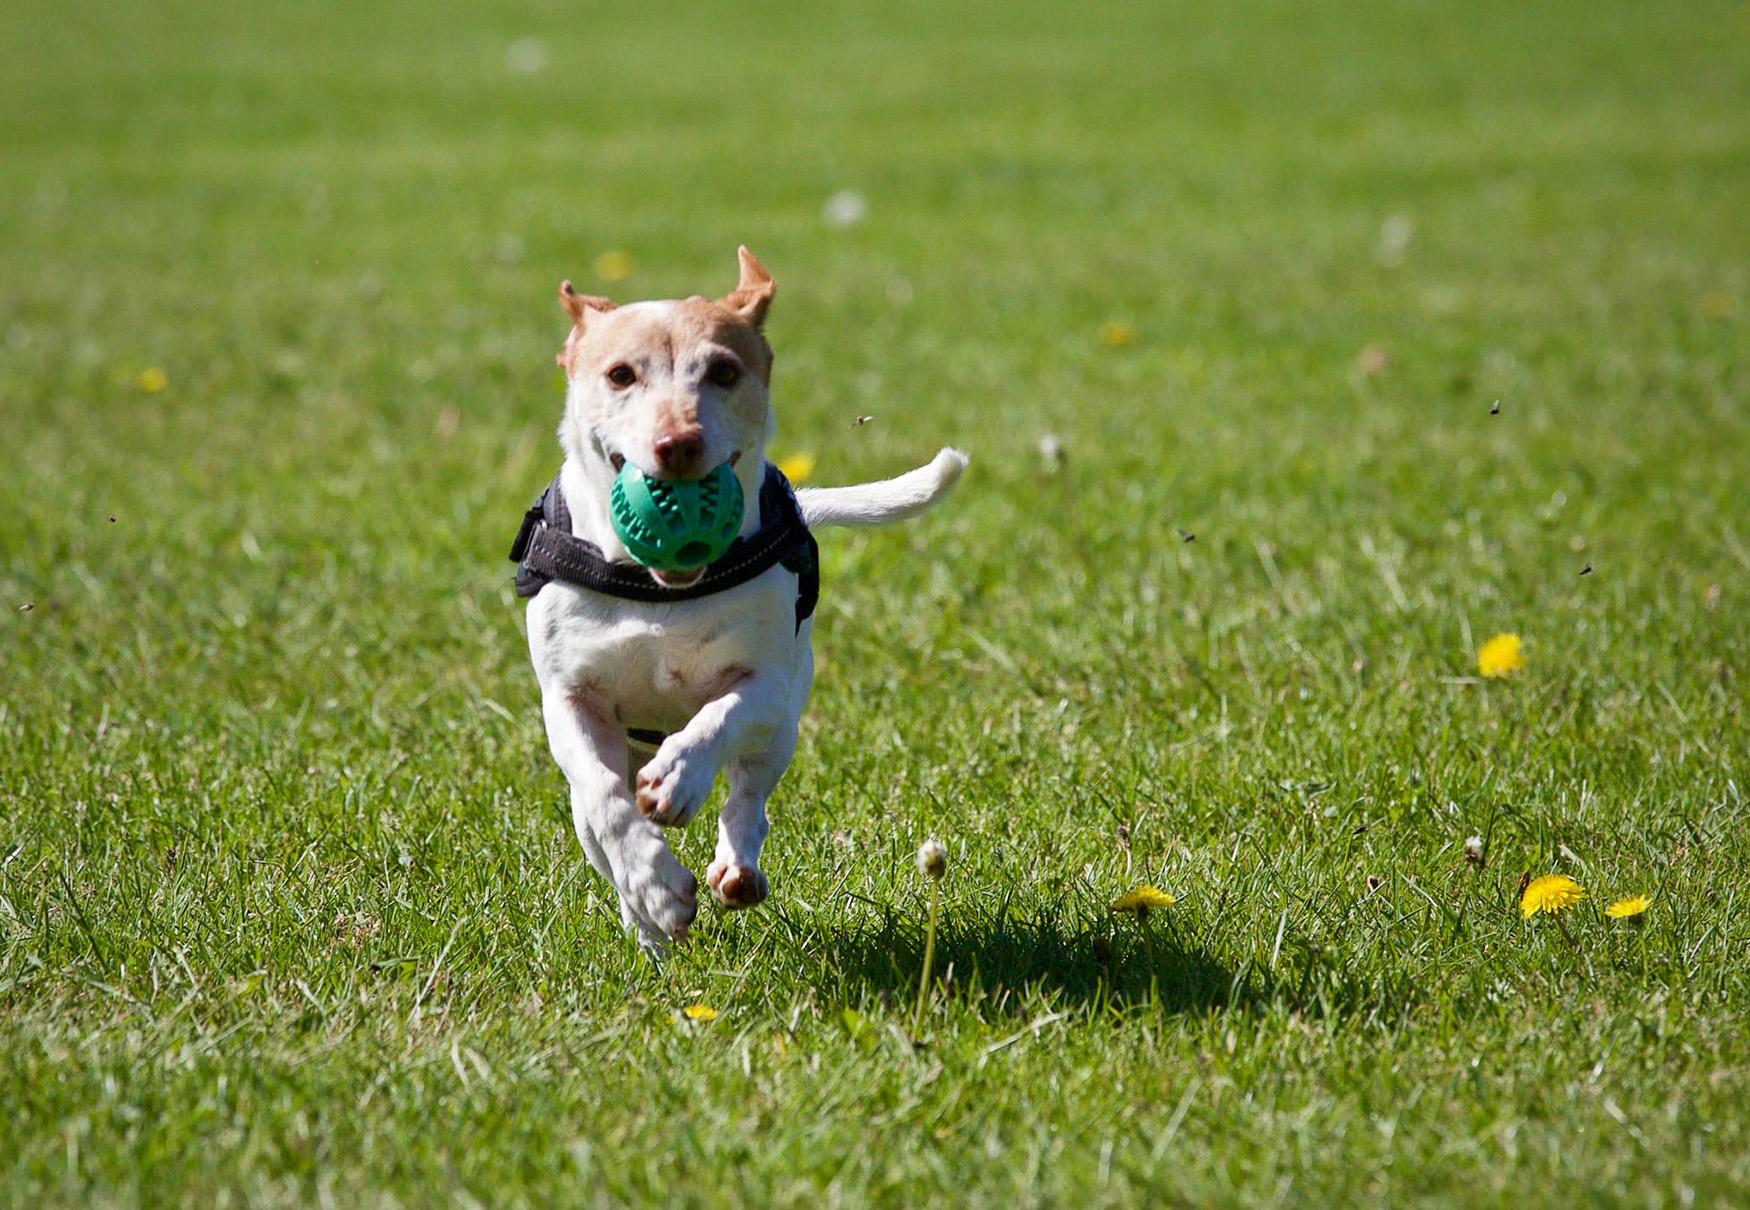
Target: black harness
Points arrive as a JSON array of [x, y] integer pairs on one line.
[[546, 550]]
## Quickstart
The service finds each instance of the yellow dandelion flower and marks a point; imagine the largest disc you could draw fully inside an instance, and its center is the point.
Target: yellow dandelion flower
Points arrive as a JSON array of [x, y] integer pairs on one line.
[[1143, 899], [797, 467], [152, 379], [699, 1012], [614, 265], [1502, 655], [1551, 893], [1628, 909], [1116, 334]]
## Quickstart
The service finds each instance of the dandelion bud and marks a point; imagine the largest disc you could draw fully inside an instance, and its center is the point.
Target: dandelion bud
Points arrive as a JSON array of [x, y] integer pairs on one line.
[[1632, 909], [1473, 851], [932, 859]]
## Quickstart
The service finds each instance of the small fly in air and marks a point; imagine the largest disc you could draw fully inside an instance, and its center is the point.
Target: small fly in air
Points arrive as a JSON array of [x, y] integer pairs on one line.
[[1186, 535], [860, 421], [1495, 408], [1586, 570]]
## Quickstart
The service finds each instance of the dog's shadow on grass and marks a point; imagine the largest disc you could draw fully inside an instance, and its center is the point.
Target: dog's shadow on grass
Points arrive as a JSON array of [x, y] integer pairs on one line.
[[1008, 956]]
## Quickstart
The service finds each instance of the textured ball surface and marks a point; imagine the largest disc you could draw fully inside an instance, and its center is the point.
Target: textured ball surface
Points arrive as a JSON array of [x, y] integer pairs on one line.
[[676, 526]]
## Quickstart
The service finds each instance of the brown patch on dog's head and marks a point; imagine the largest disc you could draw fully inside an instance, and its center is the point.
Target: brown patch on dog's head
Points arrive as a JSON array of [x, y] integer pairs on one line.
[[719, 322]]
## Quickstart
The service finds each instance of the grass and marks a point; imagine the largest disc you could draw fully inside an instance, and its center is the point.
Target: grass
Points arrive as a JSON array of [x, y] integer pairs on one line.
[[290, 912]]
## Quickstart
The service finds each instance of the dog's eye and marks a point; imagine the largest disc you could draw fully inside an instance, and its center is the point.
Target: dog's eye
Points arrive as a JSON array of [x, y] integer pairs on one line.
[[724, 373], [622, 375]]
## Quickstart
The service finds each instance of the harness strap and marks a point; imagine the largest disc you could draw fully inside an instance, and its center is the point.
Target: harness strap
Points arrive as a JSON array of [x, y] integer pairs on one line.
[[546, 550]]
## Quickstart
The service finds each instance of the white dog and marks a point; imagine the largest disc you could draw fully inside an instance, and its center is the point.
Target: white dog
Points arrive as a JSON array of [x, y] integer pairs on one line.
[[652, 682]]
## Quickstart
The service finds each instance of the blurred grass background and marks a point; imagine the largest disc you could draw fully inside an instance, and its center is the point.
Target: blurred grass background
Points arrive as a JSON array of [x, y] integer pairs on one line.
[[291, 909]]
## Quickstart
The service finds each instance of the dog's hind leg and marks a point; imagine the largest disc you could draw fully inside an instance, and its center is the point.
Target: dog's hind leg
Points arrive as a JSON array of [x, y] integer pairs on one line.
[[658, 895]]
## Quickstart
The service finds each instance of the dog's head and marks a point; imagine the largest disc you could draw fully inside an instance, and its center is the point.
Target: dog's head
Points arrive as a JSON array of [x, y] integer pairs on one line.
[[677, 388]]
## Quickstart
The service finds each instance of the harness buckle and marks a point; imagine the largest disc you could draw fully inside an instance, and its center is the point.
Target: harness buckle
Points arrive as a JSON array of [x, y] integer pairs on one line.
[[526, 534]]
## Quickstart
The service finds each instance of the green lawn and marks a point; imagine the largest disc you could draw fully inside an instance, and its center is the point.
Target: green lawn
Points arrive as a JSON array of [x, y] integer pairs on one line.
[[290, 908]]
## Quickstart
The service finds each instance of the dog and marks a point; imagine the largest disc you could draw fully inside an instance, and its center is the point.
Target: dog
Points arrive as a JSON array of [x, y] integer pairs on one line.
[[654, 681]]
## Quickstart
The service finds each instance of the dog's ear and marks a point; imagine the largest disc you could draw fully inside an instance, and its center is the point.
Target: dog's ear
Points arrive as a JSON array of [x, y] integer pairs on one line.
[[576, 304], [753, 295]]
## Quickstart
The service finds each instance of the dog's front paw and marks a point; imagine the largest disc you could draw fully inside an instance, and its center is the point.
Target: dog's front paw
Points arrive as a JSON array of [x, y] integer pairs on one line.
[[661, 895], [673, 786], [736, 886]]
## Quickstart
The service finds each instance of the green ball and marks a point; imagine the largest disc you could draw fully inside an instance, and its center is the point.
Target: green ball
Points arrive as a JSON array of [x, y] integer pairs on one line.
[[676, 526]]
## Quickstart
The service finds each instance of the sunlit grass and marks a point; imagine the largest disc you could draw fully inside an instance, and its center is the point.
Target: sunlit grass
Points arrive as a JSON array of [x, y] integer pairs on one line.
[[290, 911]]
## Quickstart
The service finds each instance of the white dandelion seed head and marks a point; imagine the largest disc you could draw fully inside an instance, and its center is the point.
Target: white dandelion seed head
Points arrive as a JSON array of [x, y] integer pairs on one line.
[[525, 56], [846, 208], [1394, 238]]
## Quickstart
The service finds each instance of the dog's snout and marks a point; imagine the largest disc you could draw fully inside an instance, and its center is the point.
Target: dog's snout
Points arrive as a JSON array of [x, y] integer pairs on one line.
[[680, 453]]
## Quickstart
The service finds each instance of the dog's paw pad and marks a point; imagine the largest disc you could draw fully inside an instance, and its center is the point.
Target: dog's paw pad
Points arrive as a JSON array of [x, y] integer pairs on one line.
[[737, 886], [670, 792]]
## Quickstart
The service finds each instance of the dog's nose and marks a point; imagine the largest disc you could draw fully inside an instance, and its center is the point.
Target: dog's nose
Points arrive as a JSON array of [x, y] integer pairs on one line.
[[679, 454]]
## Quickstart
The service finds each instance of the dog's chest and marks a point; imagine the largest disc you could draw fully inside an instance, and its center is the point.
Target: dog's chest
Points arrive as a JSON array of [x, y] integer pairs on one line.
[[654, 666]]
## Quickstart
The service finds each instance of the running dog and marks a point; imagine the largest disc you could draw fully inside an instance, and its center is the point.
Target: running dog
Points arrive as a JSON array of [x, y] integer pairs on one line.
[[652, 681]]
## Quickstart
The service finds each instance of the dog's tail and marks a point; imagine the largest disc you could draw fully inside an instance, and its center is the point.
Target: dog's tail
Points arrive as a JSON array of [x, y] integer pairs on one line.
[[889, 500]]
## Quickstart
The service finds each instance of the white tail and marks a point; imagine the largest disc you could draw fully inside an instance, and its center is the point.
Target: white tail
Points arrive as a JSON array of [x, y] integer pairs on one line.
[[889, 500]]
